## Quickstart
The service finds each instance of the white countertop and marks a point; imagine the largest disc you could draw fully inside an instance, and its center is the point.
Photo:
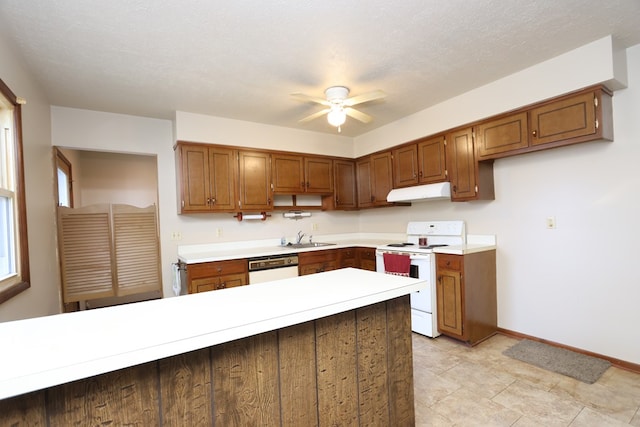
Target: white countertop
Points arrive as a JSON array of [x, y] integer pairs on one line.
[[192, 254], [475, 243], [47, 351]]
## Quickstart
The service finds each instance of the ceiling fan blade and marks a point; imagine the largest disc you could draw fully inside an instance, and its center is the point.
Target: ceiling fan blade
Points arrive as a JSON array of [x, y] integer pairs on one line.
[[365, 97], [358, 115], [308, 98], [314, 115]]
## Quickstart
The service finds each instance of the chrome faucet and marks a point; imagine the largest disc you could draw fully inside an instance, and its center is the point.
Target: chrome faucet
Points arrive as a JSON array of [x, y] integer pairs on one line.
[[300, 236]]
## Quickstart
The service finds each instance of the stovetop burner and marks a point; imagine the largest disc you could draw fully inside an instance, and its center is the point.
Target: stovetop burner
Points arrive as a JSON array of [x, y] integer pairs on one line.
[[432, 246]]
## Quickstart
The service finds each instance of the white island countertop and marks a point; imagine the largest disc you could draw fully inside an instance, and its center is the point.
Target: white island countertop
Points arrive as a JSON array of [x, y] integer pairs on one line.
[[47, 351]]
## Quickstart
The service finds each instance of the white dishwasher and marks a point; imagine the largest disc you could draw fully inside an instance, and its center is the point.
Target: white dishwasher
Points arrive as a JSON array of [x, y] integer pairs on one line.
[[275, 267]]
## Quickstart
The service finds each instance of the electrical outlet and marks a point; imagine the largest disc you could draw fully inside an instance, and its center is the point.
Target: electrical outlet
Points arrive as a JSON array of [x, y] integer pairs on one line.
[[314, 226], [551, 222], [219, 232], [176, 235]]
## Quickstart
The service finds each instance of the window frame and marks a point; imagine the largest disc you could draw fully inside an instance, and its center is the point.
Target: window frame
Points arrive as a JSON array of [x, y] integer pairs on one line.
[[8, 291]]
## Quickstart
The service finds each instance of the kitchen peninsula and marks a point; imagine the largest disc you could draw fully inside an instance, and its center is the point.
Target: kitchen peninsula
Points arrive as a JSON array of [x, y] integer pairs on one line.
[[330, 348]]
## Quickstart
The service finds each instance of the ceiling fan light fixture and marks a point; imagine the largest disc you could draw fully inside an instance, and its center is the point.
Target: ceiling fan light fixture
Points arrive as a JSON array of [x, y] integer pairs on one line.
[[336, 116]]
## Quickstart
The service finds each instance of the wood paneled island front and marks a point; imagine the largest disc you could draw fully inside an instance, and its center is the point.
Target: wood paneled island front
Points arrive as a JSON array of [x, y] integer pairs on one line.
[[328, 349]]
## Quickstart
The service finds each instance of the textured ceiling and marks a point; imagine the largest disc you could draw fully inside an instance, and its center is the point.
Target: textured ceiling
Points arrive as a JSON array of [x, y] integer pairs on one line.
[[241, 59]]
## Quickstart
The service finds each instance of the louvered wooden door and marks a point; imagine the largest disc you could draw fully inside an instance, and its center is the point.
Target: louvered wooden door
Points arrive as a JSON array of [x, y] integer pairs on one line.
[[108, 250]]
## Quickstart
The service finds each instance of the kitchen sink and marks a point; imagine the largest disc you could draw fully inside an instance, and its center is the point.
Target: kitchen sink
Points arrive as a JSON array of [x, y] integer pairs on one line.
[[308, 245]]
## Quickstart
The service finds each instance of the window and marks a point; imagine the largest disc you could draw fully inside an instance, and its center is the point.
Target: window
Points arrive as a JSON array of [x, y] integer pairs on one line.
[[65, 189], [14, 260]]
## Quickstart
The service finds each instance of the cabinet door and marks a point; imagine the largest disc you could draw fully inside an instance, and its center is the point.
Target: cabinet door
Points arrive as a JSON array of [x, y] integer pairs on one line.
[[431, 160], [288, 174], [367, 259], [461, 165], [194, 185], [345, 184], [381, 177], [232, 280], [365, 193], [223, 172], [502, 136], [405, 166], [449, 302], [564, 119], [348, 258], [319, 175], [255, 181], [317, 261], [203, 285]]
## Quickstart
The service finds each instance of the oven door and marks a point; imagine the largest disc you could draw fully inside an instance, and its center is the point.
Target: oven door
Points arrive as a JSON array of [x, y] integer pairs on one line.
[[423, 303]]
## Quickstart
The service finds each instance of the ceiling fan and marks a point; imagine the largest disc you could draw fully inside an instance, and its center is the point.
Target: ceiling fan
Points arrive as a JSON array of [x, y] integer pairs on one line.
[[339, 106]]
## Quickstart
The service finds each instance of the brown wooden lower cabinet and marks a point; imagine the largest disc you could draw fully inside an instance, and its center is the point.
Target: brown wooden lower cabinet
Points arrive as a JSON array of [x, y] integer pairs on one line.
[[466, 295], [367, 258], [212, 276], [317, 261], [352, 368]]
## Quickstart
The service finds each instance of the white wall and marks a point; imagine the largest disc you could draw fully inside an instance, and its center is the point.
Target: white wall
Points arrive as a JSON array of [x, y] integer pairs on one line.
[[217, 130], [116, 178], [43, 296], [577, 284]]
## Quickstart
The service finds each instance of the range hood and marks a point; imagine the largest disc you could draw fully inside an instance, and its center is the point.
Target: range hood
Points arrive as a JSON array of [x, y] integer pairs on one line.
[[421, 193]]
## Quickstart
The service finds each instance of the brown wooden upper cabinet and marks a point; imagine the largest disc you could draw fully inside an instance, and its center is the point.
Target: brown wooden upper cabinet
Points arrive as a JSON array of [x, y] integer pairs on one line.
[[502, 135], [470, 180], [375, 179], [420, 163], [294, 174], [255, 181], [345, 196], [206, 178], [569, 119], [405, 166]]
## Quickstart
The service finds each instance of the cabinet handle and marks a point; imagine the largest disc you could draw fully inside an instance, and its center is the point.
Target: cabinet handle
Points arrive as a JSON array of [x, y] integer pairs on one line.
[[420, 173], [455, 189], [307, 184], [534, 133], [213, 201], [219, 269], [302, 184], [223, 285], [373, 198]]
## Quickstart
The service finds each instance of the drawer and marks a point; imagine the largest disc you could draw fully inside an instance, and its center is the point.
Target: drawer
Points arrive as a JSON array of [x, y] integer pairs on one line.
[[217, 268], [449, 262], [367, 253], [317, 256], [317, 267]]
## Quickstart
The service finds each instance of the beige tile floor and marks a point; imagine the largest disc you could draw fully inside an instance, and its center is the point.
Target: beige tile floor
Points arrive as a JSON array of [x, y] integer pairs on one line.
[[457, 385]]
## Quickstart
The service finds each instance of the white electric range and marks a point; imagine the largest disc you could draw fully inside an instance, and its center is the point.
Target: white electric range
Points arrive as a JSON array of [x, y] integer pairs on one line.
[[422, 237]]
